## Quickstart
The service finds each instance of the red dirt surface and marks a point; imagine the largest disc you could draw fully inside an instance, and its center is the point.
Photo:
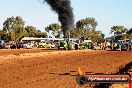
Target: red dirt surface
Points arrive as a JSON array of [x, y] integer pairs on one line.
[[21, 51], [55, 69]]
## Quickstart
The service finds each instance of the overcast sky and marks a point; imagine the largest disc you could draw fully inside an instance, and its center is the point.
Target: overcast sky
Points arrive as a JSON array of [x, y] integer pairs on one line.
[[107, 12]]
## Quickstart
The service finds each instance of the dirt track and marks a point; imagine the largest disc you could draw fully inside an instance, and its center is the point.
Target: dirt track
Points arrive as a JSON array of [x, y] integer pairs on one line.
[[55, 69]]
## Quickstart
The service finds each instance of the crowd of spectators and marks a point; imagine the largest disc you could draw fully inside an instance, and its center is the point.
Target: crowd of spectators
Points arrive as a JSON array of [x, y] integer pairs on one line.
[[27, 44]]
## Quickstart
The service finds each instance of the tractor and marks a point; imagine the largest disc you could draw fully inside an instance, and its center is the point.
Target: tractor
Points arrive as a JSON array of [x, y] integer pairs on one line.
[[87, 44], [63, 45], [66, 45]]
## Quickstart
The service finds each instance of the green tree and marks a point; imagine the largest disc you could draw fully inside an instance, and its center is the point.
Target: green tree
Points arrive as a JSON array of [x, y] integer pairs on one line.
[[4, 35], [76, 33], [13, 28], [87, 28], [97, 38], [88, 23], [94, 36], [33, 32], [119, 31], [41, 34], [8, 25], [55, 29], [79, 32], [129, 33]]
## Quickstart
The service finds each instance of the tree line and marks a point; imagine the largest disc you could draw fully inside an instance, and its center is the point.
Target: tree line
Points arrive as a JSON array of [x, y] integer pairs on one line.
[[14, 30], [121, 32], [83, 28]]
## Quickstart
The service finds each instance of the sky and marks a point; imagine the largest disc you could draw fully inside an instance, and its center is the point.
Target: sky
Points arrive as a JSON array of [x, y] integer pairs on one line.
[[107, 13]]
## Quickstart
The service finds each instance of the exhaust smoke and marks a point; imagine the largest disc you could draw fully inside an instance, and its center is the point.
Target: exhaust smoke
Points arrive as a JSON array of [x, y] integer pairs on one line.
[[65, 14]]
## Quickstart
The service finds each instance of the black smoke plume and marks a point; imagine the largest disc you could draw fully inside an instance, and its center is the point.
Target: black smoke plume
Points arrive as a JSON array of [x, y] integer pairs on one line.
[[65, 14]]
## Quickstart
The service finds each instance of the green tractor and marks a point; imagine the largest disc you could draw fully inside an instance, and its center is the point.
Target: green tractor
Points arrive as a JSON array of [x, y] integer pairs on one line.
[[70, 45], [63, 45], [87, 44], [66, 45]]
